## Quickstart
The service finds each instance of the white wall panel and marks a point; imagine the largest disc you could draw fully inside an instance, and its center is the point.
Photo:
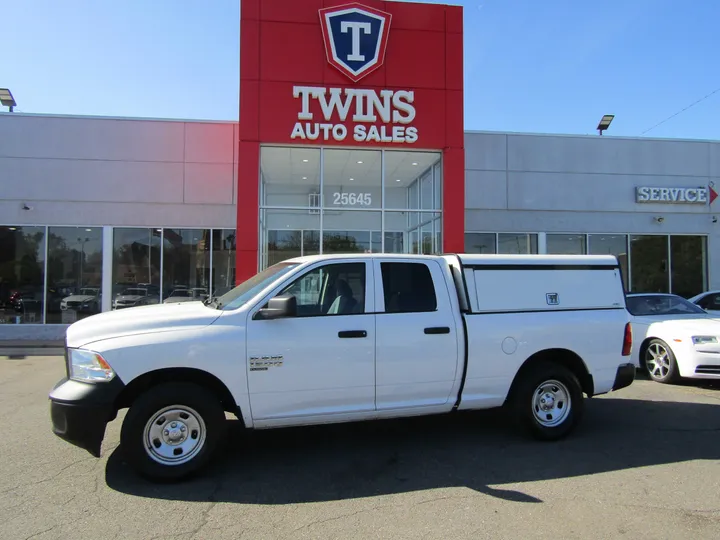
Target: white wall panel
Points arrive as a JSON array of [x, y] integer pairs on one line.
[[120, 214], [90, 138], [593, 192], [91, 181], [486, 151], [209, 143], [606, 155], [486, 189], [209, 183]]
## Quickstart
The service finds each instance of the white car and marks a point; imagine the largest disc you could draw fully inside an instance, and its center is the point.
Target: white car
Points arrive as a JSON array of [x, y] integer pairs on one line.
[[677, 338], [709, 301], [87, 301], [197, 294]]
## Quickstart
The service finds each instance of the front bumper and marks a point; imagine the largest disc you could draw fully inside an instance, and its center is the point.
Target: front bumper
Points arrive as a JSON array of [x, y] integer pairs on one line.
[[625, 376], [80, 411]]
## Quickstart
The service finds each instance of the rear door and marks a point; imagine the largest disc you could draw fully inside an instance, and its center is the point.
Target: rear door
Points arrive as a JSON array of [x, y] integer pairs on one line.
[[417, 354]]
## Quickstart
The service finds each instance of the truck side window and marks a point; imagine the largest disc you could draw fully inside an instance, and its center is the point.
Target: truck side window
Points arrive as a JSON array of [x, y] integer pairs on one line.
[[408, 288], [332, 289]]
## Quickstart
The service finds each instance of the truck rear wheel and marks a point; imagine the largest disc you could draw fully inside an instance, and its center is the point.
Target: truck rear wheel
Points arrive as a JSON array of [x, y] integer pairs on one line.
[[548, 400], [172, 431]]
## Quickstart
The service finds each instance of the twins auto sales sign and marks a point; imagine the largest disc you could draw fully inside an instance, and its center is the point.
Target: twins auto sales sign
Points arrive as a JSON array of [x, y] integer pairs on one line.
[[356, 39]]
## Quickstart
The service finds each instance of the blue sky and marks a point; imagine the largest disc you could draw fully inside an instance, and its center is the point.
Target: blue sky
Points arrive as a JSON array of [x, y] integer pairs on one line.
[[552, 66]]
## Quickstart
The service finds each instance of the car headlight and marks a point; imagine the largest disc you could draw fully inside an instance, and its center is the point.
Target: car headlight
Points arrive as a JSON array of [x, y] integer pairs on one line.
[[704, 340], [89, 366]]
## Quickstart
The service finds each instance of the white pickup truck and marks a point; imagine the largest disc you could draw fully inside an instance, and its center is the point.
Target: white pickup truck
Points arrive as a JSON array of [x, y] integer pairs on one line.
[[340, 338]]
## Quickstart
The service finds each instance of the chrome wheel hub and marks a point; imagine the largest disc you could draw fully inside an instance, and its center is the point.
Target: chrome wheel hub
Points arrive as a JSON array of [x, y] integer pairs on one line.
[[551, 403], [174, 435]]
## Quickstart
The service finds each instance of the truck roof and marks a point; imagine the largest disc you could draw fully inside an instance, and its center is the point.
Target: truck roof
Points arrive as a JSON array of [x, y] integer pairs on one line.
[[473, 259], [538, 260]]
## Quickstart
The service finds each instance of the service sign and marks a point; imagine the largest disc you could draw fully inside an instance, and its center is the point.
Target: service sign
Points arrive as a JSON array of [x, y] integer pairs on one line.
[[675, 195]]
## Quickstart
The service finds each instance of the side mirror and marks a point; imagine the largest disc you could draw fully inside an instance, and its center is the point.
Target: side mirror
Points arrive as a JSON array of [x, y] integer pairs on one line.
[[280, 307]]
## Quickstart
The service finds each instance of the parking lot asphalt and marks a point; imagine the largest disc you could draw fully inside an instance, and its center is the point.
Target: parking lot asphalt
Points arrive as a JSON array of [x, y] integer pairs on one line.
[[644, 464]]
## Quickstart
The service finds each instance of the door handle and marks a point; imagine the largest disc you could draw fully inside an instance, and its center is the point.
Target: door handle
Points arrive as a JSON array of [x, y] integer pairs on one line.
[[437, 330], [352, 334]]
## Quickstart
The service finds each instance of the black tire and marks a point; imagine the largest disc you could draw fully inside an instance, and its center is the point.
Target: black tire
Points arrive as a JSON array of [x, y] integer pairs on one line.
[[185, 400], [526, 409], [664, 372]]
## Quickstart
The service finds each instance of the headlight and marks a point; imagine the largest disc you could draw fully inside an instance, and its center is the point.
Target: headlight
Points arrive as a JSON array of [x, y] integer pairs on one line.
[[89, 366], [704, 340]]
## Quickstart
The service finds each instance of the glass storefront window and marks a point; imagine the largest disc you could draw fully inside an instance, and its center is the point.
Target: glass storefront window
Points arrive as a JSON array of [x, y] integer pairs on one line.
[[413, 180], [290, 177], [688, 261], [288, 233], [649, 260], [611, 244], [480, 243], [186, 265], [22, 274], [566, 244], [136, 267], [356, 211], [517, 244], [223, 261], [352, 179], [74, 285]]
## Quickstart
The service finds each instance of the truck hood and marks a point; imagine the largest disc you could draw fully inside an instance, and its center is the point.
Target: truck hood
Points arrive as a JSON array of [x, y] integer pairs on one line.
[[140, 320]]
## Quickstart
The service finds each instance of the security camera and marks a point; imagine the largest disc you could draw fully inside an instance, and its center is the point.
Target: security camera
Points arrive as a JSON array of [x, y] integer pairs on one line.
[[714, 219], [659, 219], [26, 207]]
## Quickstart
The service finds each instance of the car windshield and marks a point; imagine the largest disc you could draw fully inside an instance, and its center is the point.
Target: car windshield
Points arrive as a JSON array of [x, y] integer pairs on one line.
[[659, 305], [88, 292], [134, 292], [240, 295]]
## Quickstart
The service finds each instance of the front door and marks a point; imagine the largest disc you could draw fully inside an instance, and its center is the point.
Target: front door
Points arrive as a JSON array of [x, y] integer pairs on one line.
[[418, 352], [322, 361]]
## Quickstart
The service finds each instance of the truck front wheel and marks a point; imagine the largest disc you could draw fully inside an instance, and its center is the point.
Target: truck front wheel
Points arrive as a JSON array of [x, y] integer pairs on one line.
[[172, 431], [548, 400]]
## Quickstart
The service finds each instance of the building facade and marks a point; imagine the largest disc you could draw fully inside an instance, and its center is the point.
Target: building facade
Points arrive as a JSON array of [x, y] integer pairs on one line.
[[353, 146]]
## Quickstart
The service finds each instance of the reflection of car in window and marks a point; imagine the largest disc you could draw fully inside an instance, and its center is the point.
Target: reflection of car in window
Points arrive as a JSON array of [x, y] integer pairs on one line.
[[133, 297], [196, 294], [87, 300]]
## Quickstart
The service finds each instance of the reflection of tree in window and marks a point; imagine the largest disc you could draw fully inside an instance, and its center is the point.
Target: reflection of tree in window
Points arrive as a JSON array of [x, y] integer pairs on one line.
[[689, 265], [649, 264]]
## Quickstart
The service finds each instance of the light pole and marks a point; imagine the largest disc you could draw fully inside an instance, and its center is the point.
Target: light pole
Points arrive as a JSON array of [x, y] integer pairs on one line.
[[7, 99], [605, 122], [82, 258]]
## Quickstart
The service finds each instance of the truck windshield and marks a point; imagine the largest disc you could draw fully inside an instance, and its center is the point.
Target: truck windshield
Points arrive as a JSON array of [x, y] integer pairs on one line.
[[241, 294]]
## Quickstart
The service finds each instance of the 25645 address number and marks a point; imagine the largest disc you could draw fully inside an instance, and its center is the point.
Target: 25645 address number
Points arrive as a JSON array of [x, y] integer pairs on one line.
[[352, 199]]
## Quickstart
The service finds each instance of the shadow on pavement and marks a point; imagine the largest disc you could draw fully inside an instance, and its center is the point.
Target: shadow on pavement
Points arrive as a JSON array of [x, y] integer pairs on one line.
[[474, 450]]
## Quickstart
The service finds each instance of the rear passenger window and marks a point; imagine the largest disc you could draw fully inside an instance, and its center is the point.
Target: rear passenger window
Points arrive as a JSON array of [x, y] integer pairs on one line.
[[408, 288]]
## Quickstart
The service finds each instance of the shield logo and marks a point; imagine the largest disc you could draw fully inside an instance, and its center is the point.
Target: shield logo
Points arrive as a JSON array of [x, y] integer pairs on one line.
[[355, 37]]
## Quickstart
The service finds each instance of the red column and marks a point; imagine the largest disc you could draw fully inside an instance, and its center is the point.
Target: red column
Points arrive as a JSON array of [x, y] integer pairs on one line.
[[248, 173]]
